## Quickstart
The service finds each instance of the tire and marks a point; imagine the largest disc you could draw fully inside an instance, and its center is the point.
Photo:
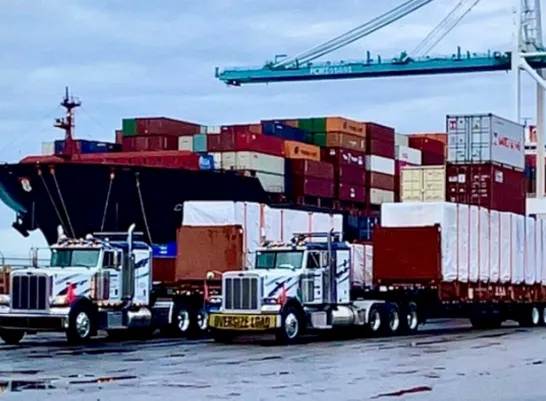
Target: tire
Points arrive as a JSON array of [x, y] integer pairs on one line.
[[543, 316], [392, 322], [181, 324], [199, 322], [409, 319], [375, 321], [12, 337], [81, 324], [291, 326], [530, 316]]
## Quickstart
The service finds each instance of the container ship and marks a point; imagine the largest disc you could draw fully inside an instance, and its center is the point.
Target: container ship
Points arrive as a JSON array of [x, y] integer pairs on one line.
[[327, 164]]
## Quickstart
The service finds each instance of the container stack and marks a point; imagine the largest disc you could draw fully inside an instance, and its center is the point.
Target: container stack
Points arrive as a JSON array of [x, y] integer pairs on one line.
[[380, 164], [486, 162], [404, 156], [432, 146]]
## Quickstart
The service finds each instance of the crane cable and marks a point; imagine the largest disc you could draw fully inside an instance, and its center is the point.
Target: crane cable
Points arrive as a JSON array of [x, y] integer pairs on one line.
[[443, 28], [355, 34]]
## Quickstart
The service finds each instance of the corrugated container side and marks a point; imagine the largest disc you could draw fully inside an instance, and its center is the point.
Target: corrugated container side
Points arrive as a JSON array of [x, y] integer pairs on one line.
[[128, 126], [345, 126], [298, 186], [199, 143], [119, 136], [164, 270], [347, 157], [214, 129], [401, 140], [299, 150], [439, 136], [379, 132], [427, 145], [230, 142], [346, 141], [185, 143], [423, 184], [283, 131], [290, 123], [168, 159], [381, 148], [165, 126], [350, 193], [242, 129], [319, 139], [380, 196], [381, 181], [380, 164], [351, 175], [253, 161], [48, 148], [408, 155], [273, 183], [310, 168], [204, 249], [432, 159], [488, 185]]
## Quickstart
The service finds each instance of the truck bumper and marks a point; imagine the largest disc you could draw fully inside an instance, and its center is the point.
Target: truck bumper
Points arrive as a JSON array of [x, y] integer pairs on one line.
[[250, 323], [33, 322]]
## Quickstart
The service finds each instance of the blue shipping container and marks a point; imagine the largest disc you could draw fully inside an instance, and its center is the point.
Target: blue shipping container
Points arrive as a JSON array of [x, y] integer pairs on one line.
[[200, 143], [90, 146], [164, 250], [283, 131], [206, 162], [529, 172]]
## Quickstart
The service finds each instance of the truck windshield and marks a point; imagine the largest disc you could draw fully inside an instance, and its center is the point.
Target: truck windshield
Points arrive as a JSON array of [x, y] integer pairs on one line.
[[279, 260], [75, 257]]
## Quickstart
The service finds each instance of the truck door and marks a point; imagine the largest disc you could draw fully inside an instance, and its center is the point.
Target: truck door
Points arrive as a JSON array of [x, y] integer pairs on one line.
[[312, 280]]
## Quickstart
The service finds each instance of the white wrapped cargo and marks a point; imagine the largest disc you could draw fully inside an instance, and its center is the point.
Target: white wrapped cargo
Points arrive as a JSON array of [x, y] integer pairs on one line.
[[478, 244], [361, 265], [258, 221]]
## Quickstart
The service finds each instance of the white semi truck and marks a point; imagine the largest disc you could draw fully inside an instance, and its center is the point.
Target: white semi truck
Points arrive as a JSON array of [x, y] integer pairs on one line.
[[102, 282], [300, 287]]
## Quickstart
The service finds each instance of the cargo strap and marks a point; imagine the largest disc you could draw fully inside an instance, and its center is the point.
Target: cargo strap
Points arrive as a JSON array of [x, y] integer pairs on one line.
[[52, 171], [40, 173], [143, 210], [107, 201]]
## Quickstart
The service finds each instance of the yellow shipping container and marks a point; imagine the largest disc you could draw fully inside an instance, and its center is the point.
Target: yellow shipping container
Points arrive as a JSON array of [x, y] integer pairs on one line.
[[423, 184], [345, 126], [299, 150]]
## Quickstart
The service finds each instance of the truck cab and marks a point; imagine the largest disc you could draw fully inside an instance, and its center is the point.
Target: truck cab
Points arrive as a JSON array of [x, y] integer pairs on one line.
[[300, 286], [100, 282]]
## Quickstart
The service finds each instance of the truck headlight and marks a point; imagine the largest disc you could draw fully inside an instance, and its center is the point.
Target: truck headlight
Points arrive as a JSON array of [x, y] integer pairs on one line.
[[270, 301], [60, 300], [4, 299]]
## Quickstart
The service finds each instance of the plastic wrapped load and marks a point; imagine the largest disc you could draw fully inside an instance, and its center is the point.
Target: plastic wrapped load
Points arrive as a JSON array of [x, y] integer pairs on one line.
[[258, 221], [478, 245], [361, 265]]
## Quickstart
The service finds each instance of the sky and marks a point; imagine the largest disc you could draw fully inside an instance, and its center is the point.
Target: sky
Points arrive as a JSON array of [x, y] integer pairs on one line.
[[128, 58]]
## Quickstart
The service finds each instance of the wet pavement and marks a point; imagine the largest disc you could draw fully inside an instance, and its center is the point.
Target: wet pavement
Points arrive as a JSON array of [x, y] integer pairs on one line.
[[447, 361]]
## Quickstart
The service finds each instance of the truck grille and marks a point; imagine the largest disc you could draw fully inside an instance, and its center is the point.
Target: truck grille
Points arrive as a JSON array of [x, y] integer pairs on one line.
[[241, 293], [29, 292]]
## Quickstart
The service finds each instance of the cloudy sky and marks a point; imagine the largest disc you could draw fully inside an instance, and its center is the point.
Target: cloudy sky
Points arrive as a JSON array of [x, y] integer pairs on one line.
[[127, 58]]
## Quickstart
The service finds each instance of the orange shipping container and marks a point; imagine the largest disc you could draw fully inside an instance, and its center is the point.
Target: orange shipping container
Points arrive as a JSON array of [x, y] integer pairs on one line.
[[345, 141], [299, 150], [207, 248], [345, 126]]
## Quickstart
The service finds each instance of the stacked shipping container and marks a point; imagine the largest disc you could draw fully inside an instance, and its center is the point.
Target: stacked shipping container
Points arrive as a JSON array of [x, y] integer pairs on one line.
[[380, 163]]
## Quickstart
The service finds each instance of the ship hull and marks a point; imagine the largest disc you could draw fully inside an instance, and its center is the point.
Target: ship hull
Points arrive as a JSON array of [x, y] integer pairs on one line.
[[86, 198]]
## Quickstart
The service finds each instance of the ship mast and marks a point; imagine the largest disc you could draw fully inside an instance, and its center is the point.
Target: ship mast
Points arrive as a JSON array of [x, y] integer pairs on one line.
[[67, 123]]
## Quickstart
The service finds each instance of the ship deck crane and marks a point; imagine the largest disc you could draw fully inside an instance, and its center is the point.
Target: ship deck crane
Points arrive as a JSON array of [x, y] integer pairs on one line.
[[527, 54]]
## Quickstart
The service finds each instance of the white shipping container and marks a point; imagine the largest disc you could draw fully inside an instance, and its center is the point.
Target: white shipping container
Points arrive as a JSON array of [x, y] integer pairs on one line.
[[408, 155], [380, 164], [253, 161], [48, 148], [401, 140], [485, 137], [380, 196], [213, 129], [217, 156], [515, 243], [259, 220], [185, 143], [271, 182], [423, 183]]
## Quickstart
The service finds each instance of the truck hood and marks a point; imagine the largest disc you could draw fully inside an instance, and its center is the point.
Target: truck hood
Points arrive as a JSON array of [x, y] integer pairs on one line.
[[79, 277]]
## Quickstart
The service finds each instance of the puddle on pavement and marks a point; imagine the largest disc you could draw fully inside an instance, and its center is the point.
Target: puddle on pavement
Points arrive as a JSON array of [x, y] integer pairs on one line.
[[102, 380], [23, 385], [400, 393]]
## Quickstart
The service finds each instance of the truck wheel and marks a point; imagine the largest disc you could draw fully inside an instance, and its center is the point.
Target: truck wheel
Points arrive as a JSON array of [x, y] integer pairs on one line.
[[12, 337], [201, 320], [291, 326], [409, 323], [80, 325], [530, 316], [181, 323], [392, 323], [374, 323], [543, 317]]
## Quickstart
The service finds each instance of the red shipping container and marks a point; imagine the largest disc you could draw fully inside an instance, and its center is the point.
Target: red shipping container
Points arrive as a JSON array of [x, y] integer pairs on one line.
[[381, 181], [488, 185], [432, 159], [426, 145], [351, 193], [165, 126], [311, 168], [245, 141], [242, 128], [166, 159], [351, 175], [154, 143], [378, 132], [119, 137], [381, 148], [306, 186], [343, 157]]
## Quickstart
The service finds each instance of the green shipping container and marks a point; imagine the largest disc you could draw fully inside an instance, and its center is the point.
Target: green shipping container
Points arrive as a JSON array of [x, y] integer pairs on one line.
[[319, 139], [305, 124], [129, 127], [319, 124], [200, 143]]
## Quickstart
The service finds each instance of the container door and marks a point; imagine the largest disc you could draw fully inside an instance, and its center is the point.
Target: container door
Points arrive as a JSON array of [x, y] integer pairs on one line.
[[412, 184], [434, 180]]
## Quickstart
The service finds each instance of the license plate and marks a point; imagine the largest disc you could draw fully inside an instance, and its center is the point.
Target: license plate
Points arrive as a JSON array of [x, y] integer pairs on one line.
[[243, 322]]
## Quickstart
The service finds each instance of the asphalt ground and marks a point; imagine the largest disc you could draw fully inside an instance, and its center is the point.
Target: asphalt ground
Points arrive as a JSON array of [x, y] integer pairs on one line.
[[447, 360]]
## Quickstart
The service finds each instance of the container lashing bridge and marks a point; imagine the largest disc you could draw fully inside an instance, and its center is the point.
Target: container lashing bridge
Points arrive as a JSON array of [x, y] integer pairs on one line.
[[528, 54]]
